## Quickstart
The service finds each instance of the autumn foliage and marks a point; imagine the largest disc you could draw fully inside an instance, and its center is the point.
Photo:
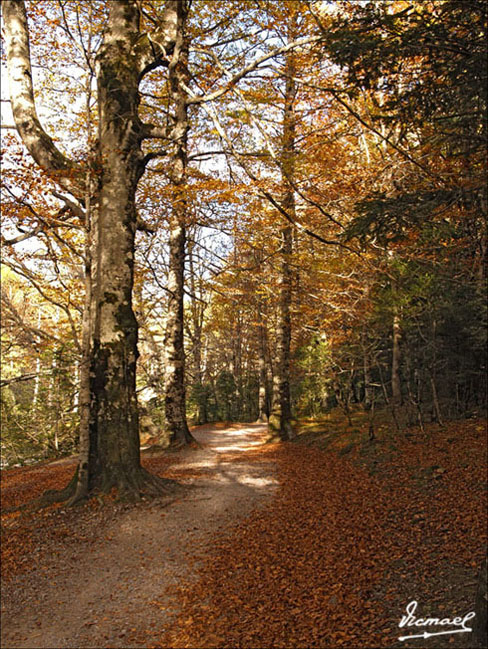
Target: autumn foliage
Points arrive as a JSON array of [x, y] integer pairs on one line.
[[267, 212]]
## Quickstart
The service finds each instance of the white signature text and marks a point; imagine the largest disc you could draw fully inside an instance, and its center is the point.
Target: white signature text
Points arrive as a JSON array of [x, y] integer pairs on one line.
[[410, 620]]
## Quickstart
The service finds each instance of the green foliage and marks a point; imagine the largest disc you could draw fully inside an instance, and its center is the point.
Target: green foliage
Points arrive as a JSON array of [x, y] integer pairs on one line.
[[429, 63], [38, 398], [41, 429], [202, 406], [312, 391], [425, 69], [390, 219], [225, 390]]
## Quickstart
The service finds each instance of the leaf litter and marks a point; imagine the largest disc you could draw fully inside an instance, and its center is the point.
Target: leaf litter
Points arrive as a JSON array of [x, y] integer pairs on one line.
[[330, 559]]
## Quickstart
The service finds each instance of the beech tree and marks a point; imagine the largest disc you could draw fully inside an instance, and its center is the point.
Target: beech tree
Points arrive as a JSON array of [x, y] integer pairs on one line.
[[103, 189], [175, 393], [280, 419], [110, 450], [184, 73]]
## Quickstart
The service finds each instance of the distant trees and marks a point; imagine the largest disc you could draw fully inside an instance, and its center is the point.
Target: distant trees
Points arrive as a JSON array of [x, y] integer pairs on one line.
[[40, 401], [425, 70], [410, 322]]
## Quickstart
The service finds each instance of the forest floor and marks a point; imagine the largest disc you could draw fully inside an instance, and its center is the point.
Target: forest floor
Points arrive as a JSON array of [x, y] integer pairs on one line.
[[318, 543]]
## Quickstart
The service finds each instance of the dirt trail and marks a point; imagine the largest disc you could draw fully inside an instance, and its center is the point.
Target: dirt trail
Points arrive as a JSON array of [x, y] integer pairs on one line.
[[94, 593]]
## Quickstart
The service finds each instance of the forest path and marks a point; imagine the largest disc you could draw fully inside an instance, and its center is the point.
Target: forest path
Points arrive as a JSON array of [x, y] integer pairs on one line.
[[95, 586], [273, 545]]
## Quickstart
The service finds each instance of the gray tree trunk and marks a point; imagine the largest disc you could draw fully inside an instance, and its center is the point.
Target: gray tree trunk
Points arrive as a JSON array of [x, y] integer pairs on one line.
[[84, 395], [113, 458], [396, 386], [280, 418], [197, 313], [262, 394], [175, 393], [237, 368], [368, 390]]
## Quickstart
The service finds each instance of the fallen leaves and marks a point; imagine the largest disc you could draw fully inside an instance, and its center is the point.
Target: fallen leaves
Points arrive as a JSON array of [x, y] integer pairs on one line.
[[331, 561], [338, 554], [25, 534], [23, 484]]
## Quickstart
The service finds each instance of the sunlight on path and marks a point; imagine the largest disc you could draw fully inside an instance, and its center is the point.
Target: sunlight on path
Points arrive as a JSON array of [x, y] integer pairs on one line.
[[226, 455]]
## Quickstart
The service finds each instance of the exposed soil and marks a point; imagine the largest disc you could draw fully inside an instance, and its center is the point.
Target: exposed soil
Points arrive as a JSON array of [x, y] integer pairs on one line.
[[91, 575]]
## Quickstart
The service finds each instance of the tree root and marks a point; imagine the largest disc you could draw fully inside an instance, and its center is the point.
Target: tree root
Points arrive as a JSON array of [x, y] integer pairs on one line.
[[52, 496], [134, 486], [128, 487], [176, 446]]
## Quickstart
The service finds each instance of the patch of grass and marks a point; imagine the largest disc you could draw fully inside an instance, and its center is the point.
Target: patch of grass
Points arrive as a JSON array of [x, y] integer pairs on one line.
[[337, 433]]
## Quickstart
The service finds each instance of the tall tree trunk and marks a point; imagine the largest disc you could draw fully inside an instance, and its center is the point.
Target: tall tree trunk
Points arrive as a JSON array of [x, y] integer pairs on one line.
[[114, 429], [175, 393], [262, 394], [436, 410], [280, 419], [237, 365], [84, 397], [368, 388], [396, 386], [197, 312], [37, 380], [82, 481], [123, 58]]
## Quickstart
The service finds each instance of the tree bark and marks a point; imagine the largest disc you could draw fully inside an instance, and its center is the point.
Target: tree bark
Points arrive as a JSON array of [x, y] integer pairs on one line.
[[396, 386], [368, 388], [280, 419], [81, 486], [197, 313], [436, 410], [175, 392], [262, 396], [84, 396], [113, 458], [39, 144], [237, 368]]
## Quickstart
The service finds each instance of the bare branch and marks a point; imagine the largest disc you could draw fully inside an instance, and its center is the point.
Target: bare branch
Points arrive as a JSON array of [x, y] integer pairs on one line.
[[17, 379], [155, 47], [39, 144], [199, 99], [74, 207]]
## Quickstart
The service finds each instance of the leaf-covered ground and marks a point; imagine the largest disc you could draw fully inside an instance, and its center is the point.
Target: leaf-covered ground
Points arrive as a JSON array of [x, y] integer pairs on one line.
[[342, 549], [330, 557]]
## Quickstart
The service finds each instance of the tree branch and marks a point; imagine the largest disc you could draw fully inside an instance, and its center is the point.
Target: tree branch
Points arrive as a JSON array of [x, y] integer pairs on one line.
[[39, 144], [154, 47], [199, 99]]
